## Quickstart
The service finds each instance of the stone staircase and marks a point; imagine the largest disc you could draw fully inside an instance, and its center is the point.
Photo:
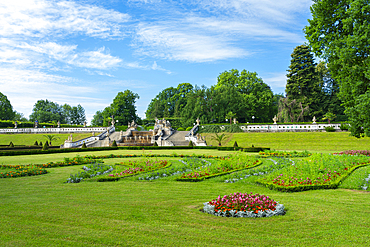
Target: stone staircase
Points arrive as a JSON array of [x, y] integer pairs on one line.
[[105, 142], [178, 138]]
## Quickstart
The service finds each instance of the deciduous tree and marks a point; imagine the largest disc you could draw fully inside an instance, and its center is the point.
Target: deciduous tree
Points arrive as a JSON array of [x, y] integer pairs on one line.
[[339, 32]]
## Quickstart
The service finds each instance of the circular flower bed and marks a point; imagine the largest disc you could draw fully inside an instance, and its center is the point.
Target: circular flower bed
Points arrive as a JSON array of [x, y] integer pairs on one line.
[[244, 205]]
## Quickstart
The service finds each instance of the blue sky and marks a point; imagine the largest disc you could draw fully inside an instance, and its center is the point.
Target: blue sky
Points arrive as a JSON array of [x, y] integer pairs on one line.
[[85, 52]]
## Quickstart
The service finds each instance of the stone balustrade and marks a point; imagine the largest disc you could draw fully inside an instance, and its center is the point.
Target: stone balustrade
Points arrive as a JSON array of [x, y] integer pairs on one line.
[[286, 127], [52, 130]]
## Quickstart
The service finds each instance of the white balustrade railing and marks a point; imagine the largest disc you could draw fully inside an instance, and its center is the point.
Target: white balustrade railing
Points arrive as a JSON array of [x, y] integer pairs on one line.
[[286, 127]]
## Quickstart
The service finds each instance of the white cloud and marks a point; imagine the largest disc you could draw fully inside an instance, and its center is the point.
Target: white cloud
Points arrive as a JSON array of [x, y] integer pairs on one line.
[[167, 42], [282, 11], [94, 60], [277, 81], [41, 18]]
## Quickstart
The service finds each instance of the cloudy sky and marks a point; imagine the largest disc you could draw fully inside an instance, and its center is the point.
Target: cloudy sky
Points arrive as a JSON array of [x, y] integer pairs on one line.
[[85, 52]]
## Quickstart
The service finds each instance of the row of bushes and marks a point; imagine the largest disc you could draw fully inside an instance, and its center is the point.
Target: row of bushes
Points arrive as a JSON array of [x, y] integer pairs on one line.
[[69, 150]]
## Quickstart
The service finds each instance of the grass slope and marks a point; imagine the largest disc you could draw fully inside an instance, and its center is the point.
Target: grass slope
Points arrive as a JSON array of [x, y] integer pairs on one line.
[[44, 211], [29, 139], [299, 141]]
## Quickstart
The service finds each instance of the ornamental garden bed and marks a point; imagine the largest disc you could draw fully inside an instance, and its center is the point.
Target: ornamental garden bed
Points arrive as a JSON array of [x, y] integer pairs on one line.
[[319, 171], [221, 167], [244, 205], [286, 154]]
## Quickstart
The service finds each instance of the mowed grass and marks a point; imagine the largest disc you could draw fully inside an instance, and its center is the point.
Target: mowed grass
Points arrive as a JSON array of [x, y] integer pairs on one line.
[[44, 211], [29, 139], [299, 141]]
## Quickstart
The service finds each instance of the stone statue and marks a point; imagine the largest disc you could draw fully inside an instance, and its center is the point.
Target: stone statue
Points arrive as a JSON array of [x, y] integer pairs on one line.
[[198, 121], [93, 134], [108, 132], [314, 120], [275, 119], [112, 121], [15, 124], [58, 124], [70, 138], [36, 124], [85, 124], [234, 120]]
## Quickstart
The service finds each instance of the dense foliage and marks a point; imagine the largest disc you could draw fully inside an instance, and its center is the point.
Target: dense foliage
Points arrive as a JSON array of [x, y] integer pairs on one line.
[[48, 111], [310, 89], [6, 109], [339, 33], [122, 109]]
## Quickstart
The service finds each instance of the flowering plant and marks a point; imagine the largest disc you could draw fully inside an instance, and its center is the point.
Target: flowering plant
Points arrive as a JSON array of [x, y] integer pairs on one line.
[[244, 205], [273, 153], [140, 167]]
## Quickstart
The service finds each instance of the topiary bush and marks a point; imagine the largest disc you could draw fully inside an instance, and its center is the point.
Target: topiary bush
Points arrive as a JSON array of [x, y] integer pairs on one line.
[[11, 145], [181, 129], [84, 145], [235, 144], [191, 144], [114, 144], [36, 143], [47, 143], [45, 147], [40, 143], [155, 144]]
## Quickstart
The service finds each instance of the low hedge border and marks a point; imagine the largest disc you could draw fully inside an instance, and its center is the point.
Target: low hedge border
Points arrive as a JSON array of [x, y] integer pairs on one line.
[[332, 185], [70, 150], [259, 162]]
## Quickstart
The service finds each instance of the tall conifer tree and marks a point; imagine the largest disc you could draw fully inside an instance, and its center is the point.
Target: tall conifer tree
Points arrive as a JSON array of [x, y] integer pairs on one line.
[[303, 83]]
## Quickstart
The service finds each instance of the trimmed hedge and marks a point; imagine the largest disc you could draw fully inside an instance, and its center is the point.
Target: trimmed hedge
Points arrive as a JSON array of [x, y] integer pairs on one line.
[[37, 150]]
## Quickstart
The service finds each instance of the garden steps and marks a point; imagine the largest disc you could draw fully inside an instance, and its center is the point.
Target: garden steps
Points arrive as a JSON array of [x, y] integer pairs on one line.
[[178, 138]]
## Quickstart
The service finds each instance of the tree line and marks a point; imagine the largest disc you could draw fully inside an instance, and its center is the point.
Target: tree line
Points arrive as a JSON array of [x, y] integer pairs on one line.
[[44, 111], [337, 87]]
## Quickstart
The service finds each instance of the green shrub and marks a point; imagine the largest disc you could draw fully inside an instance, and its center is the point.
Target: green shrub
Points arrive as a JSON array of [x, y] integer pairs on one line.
[[188, 128], [47, 143], [233, 128], [84, 145], [11, 145], [235, 144], [344, 126], [36, 143], [330, 129], [210, 129], [190, 144], [108, 179], [181, 129], [40, 143], [114, 144], [155, 144], [45, 147]]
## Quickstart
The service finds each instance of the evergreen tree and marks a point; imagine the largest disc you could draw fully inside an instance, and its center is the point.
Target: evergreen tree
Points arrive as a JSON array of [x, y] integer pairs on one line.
[[303, 84]]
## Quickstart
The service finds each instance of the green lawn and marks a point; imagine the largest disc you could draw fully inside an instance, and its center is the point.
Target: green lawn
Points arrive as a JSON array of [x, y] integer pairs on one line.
[[29, 139], [44, 211], [299, 141]]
